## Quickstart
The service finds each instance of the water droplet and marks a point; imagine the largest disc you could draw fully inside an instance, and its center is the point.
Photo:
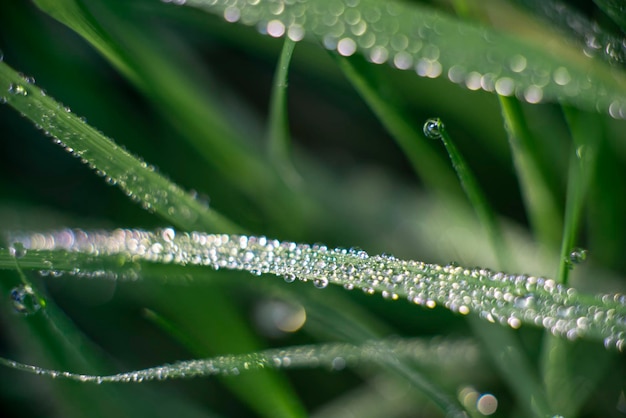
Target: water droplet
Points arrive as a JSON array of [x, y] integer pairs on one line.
[[289, 278], [25, 302], [320, 282], [17, 250], [17, 89], [576, 256], [433, 128]]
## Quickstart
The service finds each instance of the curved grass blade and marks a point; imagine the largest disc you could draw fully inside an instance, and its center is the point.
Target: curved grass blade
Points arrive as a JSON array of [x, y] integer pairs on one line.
[[278, 131], [508, 299], [137, 179], [415, 37], [436, 354]]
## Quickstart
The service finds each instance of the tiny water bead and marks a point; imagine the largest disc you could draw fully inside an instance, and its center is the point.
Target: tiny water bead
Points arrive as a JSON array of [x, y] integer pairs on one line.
[[511, 300], [577, 256], [433, 128], [17, 250], [24, 300], [17, 89]]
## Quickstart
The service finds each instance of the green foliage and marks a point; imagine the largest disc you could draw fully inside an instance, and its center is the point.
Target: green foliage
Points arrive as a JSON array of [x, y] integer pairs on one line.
[[180, 88]]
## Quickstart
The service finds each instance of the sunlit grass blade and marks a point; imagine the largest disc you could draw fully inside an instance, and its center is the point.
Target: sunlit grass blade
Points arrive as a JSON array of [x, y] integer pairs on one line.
[[509, 299], [539, 201], [136, 178], [416, 37], [513, 365]]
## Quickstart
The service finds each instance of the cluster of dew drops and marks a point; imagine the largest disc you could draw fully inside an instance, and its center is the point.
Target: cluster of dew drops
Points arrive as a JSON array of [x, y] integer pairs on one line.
[[391, 32], [509, 299]]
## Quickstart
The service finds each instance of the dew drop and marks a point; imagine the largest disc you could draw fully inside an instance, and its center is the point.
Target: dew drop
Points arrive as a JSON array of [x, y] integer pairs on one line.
[[17, 89], [433, 128], [320, 283], [17, 250], [289, 278], [25, 302], [576, 256]]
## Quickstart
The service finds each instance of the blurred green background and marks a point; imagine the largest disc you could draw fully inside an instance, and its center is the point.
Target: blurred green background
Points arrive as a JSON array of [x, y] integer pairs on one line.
[[365, 190]]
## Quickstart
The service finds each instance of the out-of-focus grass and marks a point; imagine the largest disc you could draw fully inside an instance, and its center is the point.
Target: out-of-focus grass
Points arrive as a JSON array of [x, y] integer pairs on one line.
[[362, 183]]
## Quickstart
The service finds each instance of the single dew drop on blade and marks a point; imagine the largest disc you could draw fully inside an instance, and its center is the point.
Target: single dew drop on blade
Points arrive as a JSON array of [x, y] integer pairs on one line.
[[320, 283], [433, 128], [17, 250], [576, 256], [25, 302]]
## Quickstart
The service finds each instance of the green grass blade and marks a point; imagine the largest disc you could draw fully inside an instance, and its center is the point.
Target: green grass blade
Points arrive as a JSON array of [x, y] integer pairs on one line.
[[425, 162], [168, 84], [513, 365], [539, 201], [48, 335], [511, 300], [138, 180], [428, 354], [585, 133], [563, 379], [278, 131], [415, 37], [135, 178], [435, 129]]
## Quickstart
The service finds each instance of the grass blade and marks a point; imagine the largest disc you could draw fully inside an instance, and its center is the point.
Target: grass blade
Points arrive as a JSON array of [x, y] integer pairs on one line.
[[539, 201], [140, 182], [562, 378], [434, 129], [416, 37], [336, 355], [585, 132], [513, 364], [137, 179], [166, 82], [278, 131], [511, 300], [425, 162]]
